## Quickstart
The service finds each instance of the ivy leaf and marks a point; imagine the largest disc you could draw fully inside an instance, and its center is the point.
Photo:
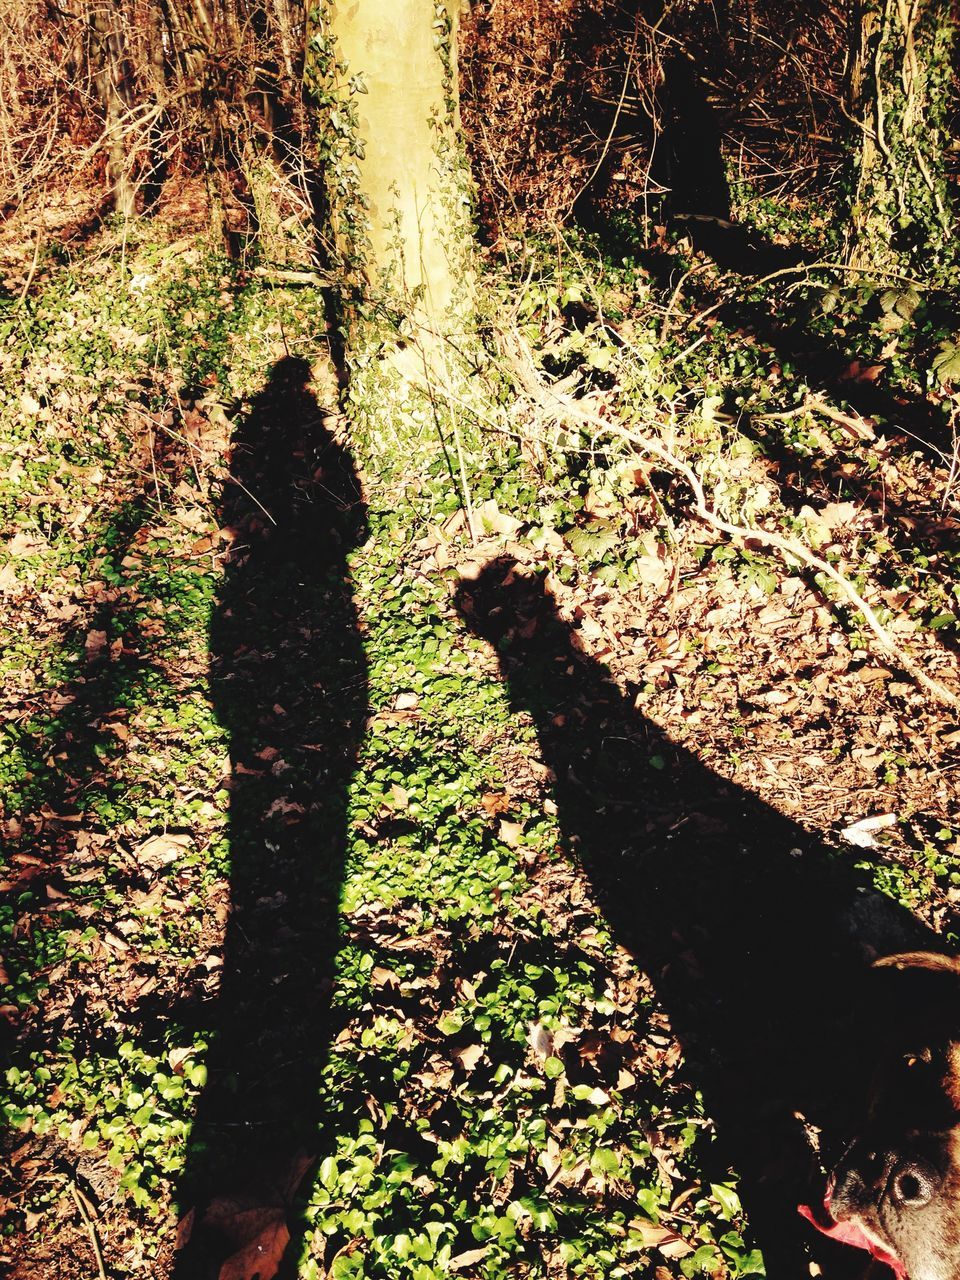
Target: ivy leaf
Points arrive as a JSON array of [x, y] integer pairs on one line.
[[604, 1163], [346, 1266], [594, 543], [900, 302], [727, 1198], [946, 364], [450, 1024]]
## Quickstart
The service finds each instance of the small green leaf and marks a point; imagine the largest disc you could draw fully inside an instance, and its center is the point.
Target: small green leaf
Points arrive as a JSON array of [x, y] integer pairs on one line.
[[347, 1266], [604, 1163], [946, 364], [727, 1198]]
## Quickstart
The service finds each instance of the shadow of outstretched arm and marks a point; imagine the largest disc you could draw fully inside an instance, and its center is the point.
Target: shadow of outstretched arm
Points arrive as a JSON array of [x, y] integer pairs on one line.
[[756, 937]]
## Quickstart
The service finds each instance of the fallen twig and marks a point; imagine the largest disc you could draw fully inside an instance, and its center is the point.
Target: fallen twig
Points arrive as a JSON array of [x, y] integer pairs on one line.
[[33, 267], [85, 1214], [277, 277], [852, 423], [788, 547]]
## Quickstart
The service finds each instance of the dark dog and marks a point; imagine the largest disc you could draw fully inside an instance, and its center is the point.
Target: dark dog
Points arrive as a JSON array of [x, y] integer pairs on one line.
[[896, 1189]]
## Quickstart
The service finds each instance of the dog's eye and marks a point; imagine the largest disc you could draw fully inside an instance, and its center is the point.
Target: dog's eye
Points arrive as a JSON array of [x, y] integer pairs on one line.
[[912, 1186]]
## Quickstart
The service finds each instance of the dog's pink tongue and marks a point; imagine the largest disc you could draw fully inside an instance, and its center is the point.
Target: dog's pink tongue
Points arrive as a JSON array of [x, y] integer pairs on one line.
[[852, 1233]]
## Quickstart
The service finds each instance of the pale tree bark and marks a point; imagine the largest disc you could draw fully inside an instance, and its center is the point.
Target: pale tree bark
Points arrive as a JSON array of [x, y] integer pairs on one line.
[[385, 76], [110, 75], [156, 79], [899, 88], [399, 227]]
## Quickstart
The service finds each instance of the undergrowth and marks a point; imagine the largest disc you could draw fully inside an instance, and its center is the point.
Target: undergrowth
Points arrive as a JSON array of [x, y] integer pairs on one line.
[[502, 1094]]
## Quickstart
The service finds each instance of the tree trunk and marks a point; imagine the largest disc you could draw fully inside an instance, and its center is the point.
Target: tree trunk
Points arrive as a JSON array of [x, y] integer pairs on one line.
[[385, 76], [110, 77], [157, 79], [899, 82]]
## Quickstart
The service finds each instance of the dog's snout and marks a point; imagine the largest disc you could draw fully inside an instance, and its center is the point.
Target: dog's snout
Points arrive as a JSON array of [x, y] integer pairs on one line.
[[871, 1173], [857, 1179]]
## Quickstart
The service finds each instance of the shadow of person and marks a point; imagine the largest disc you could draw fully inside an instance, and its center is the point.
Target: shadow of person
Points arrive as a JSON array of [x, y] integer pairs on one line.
[[755, 937], [288, 680]]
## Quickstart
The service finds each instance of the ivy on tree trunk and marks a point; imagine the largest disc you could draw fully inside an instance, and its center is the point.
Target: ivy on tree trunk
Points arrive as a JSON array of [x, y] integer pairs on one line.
[[899, 87], [384, 77]]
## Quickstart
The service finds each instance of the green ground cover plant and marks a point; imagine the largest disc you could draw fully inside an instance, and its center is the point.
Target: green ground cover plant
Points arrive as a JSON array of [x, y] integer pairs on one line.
[[492, 1084]]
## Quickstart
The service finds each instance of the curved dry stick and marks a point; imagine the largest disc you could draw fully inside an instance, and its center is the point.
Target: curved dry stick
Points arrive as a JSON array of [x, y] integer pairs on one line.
[[788, 547], [91, 1226]]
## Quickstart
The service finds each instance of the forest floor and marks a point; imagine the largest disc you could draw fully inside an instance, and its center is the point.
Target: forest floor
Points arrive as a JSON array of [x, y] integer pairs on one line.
[[407, 903]]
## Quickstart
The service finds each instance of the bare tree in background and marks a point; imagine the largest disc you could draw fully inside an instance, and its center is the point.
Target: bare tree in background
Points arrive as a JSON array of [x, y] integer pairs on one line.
[[146, 89], [47, 103]]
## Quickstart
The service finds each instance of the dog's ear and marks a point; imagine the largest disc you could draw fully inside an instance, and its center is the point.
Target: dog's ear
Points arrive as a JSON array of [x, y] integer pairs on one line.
[[930, 961]]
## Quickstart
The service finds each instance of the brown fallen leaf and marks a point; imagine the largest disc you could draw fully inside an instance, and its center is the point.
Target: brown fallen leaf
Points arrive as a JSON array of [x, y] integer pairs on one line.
[[873, 675], [162, 850], [468, 1057], [382, 977], [468, 1259], [177, 1057], [259, 1259], [676, 1248], [857, 372], [838, 515], [495, 803], [399, 796], [440, 1078], [289, 809], [24, 544], [540, 1040], [493, 520], [510, 832], [654, 1236], [94, 644], [860, 833]]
